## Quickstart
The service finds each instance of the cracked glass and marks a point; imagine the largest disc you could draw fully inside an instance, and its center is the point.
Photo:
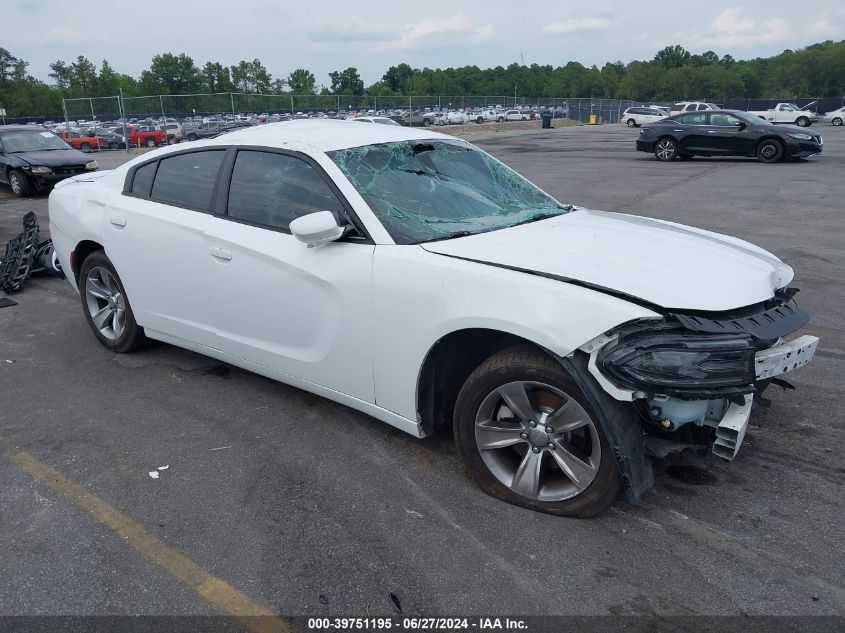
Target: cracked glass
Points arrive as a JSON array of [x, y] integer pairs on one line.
[[423, 191]]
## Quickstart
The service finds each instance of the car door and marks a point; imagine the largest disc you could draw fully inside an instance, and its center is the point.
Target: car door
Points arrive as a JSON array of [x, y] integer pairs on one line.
[[726, 135], [305, 312], [155, 235], [692, 135]]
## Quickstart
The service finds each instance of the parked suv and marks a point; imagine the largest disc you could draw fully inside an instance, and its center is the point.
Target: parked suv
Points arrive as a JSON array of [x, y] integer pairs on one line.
[[174, 132], [34, 158], [635, 117], [692, 106]]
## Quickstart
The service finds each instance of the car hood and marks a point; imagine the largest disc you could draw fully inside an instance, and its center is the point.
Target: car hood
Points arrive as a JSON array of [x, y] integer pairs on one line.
[[664, 264], [796, 129], [55, 157]]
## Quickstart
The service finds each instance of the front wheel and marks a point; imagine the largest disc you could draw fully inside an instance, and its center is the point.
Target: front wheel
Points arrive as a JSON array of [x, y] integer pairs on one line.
[[666, 149], [837, 121], [106, 305], [192, 137], [802, 121], [632, 123], [769, 151], [500, 120], [528, 435], [150, 142], [85, 147], [480, 120], [19, 183]]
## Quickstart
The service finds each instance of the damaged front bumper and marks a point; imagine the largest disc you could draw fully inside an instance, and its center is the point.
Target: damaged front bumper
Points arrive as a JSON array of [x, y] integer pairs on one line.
[[693, 378]]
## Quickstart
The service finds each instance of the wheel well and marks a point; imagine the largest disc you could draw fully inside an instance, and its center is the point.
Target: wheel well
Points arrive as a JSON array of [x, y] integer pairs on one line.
[[771, 138], [80, 254], [447, 366]]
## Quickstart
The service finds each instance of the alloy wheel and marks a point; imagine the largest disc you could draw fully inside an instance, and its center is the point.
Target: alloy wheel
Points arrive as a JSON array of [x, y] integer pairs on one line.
[[105, 302], [768, 151], [665, 149], [538, 441], [15, 183]]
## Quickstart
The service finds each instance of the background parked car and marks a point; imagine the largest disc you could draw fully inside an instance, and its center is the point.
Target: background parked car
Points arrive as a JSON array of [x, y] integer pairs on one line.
[[692, 106], [726, 133], [174, 132], [145, 135], [635, 117], [836, 117], [32, 158], [513, 115], [383, 120]]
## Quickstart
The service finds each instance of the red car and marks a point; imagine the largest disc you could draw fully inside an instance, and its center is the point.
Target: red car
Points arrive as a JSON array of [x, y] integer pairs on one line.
[[144, 135], [79, 140]]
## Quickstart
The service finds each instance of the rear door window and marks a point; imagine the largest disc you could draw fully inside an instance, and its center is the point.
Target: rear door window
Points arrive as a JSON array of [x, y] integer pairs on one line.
[[699, 118], [187, 180]]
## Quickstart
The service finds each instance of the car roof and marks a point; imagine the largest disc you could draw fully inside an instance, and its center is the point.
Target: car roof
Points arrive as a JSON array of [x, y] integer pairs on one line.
[[19, 128], [324, 134]]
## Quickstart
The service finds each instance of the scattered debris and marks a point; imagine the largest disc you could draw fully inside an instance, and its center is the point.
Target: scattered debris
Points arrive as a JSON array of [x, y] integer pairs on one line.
[[25, 255], [153, 474], [396, 604], [164, 467], [414, 513], [219, 448], [323, 599]]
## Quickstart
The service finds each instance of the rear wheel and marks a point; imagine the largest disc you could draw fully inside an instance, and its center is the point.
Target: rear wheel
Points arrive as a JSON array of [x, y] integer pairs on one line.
[[666, 149], [500, 119], [114, 146], [479, 120], [150, 142], [769, 151], [85, 147], [529, 436], [192, 137], [632, 123], [19, 183], [802, 121], [837, 121], [106, 305]]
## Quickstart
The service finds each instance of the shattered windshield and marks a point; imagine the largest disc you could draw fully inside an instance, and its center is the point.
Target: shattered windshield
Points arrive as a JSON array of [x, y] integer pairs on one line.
[[430, 190]]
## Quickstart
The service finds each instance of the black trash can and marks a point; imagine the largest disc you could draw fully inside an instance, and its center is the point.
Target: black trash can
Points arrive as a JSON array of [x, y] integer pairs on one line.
[[546, 116]]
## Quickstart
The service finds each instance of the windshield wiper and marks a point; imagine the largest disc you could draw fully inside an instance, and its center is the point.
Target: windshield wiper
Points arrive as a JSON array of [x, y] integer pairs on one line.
[[448, 236], [543, 216]]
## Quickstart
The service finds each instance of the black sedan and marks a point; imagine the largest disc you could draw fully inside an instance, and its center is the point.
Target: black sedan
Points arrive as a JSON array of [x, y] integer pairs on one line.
[[726, 133], [33, 157]]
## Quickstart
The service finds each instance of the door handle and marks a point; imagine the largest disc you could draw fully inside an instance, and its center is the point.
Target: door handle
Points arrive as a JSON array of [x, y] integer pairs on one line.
[[118, 222], [221, 253]]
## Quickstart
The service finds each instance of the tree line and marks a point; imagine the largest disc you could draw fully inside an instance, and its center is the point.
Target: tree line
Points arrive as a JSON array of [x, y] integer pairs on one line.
[[673, 73]]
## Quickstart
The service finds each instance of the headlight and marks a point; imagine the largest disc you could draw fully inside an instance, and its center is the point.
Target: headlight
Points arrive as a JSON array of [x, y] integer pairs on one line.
[[801, 137], [41, 170], [92, 165], [682, 365]]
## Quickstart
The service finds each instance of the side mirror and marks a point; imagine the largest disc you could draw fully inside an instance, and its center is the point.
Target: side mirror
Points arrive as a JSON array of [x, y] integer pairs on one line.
[[741, 125], [317, 229]]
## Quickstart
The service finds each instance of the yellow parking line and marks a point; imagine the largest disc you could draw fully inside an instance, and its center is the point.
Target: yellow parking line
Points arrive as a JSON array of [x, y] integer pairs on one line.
[[216, 592]]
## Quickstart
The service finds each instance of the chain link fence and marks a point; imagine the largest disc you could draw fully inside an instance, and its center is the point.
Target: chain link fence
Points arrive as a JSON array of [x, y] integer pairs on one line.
[[162, 111]]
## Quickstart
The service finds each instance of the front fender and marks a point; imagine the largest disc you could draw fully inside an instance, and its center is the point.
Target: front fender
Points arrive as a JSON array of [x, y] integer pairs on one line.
[[449, 294]]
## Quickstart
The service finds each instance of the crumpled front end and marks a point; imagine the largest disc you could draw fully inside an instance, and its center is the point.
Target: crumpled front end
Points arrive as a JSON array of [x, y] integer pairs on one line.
[[693, 377]]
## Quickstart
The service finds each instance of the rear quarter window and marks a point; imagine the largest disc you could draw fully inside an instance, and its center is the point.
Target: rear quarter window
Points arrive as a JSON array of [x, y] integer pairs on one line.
[[187, 180]]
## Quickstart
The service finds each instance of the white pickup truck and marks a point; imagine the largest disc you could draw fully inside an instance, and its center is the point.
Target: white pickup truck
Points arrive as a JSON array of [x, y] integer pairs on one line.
[[788, 113]]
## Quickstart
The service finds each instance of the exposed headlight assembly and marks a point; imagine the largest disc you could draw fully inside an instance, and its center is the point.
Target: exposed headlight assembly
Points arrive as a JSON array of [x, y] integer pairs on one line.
[[92, 165], [682, 365], [42, 170]]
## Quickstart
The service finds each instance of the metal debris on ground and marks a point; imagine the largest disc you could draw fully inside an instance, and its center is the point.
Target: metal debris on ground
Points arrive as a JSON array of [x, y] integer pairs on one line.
[[25, 255]]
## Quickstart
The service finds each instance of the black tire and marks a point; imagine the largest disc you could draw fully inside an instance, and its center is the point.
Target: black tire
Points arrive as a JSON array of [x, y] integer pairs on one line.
[[632, 123], [666, 149], [480, 120], [192, 137], [802, 121], [769, 151], [114, 146], [20, 183], [529, 364], [85, 147], [133, 334], [426, 122], [501, 119], [837, 121], [150, 142]]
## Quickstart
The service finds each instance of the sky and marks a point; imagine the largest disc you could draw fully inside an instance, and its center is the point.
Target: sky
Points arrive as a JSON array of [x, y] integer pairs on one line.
[[331, 35]]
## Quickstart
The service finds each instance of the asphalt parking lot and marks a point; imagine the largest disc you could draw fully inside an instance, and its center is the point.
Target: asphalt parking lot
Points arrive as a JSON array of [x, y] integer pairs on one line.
[[286, 497]]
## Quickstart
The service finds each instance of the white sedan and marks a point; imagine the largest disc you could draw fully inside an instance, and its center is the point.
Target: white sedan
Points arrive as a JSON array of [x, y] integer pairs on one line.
[[411, 276], [836, 117]]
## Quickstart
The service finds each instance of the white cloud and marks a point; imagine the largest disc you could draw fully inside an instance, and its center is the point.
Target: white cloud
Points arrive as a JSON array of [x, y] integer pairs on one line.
[[824, 25], [67, 37], [578, 25], [731, 29], [432, 32]]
